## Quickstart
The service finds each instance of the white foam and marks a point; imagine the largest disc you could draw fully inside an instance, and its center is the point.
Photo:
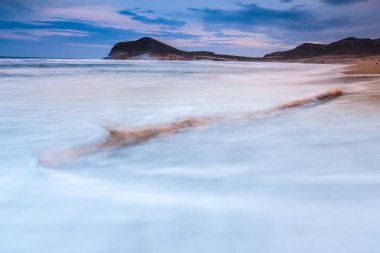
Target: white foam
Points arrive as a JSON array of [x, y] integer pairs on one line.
[[306, 181]]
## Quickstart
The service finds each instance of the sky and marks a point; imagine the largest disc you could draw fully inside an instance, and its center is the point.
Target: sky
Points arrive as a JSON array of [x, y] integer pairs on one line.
[[89, 28]]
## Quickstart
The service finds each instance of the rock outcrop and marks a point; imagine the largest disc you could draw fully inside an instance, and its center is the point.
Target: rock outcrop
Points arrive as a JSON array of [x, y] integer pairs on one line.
[[148, 48]]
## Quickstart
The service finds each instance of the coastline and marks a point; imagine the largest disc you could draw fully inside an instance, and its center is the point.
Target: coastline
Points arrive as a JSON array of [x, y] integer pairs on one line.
[[365, 66], [368, 67], [364, 72]]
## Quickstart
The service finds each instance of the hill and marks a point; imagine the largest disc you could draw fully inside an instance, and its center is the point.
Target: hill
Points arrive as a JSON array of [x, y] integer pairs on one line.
[[349, 47], [148, 48]]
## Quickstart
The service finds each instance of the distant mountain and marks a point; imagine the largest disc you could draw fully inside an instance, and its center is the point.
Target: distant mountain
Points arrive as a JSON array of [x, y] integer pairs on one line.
[[148, 48], [349, 47], [336, 52]]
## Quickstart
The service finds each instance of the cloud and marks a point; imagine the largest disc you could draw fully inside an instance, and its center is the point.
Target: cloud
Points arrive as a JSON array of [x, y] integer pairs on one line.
[[147, 20], [343, 2], [73, 25], [38, 34], [11, 8], [80, 32], [234, 38], [70, 38], [88, 45], [252, 17], [220, 26]]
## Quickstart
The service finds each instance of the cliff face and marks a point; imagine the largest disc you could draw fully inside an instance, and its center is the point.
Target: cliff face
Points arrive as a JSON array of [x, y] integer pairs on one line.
[[148, 48], [346, 47]]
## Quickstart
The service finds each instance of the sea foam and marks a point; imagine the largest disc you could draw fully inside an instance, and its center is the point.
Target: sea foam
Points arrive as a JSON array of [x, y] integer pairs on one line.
[[305, 181]]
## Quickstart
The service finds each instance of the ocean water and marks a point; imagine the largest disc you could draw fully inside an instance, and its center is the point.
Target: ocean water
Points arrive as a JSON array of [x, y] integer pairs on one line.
[[307, 180]]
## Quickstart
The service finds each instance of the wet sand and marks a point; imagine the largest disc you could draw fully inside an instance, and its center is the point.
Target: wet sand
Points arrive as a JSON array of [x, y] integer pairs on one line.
[[367, 67]]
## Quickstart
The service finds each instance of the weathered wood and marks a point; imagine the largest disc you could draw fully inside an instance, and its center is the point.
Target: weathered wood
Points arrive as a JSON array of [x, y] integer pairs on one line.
[[118, 137]]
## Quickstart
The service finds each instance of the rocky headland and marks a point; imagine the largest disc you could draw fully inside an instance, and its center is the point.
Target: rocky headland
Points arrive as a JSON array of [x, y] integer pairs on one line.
[[348, 50], [148, 48]]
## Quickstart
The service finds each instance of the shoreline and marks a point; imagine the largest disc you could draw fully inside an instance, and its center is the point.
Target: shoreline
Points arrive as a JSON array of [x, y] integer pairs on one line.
[[364, 66], [368, 67]]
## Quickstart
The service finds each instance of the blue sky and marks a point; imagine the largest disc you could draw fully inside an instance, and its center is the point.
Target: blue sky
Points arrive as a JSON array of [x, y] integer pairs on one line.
[[89, 28]]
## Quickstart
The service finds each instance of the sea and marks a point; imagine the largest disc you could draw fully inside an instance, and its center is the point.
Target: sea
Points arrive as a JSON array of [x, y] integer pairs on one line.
[[303, 181]]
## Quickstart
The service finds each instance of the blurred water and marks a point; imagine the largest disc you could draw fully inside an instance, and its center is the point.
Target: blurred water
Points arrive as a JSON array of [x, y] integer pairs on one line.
[[305, 181]]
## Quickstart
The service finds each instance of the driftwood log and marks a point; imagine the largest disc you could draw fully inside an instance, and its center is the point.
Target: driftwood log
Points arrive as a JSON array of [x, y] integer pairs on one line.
[[118, 137]]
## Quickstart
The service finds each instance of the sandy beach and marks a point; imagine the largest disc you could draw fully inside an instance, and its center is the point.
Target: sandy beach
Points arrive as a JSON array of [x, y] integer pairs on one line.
[[189, 126], [368, 67], [365, 66]]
